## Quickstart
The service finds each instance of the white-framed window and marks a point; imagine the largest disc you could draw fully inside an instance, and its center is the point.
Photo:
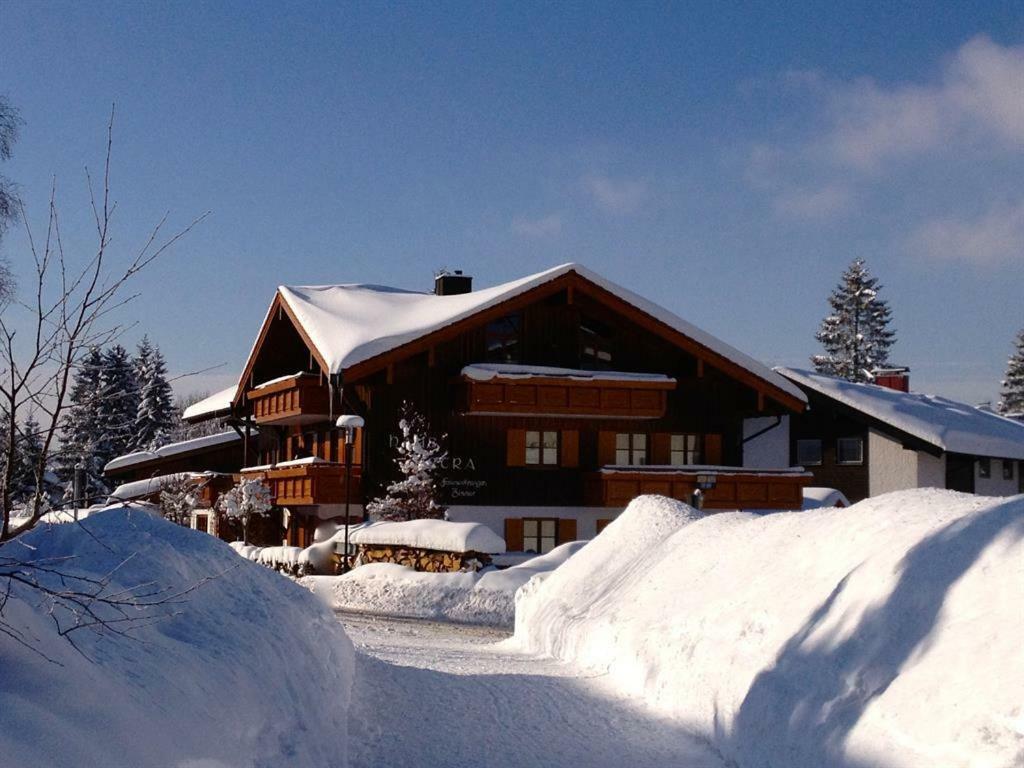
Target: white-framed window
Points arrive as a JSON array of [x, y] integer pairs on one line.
[[684, 450], [1007, 469], [630, 449], [540, 534], [849, 450], [808, 452], [984, 467], [541, 448]]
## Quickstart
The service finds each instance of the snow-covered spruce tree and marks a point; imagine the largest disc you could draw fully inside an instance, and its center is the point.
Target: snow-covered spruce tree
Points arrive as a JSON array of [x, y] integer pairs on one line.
[[155, 416], [856, 333], [80, 428], [419, 457], [179, 497], [29, 446], [249, 499], [1012, 403], [118, 404]]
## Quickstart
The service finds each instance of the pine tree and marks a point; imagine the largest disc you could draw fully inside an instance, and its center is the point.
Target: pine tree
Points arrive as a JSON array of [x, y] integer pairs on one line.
[[29, 447], [1012, 404], [118, 405], [856, 334], [419, 458], [81, 430], [155, 416]]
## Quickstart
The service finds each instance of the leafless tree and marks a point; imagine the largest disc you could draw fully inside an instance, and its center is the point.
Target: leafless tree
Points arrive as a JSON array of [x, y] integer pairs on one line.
[[66, 306]]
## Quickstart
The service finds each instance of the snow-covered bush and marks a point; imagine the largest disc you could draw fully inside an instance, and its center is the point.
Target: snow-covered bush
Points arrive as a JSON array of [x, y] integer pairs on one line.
[[249, 499], [179, 497], [419, 457]]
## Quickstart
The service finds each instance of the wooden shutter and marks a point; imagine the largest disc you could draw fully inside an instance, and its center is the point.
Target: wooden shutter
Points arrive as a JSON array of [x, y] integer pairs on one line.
[[661, 448], [514, 534], [566, 530], [516, 455], [712, 449], [570, 448], [605, 448]]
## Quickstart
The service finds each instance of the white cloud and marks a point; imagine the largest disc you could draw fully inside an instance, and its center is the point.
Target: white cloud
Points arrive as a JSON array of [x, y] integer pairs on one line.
[[545, 226], [994, 238], [822, 202], [618, 196]]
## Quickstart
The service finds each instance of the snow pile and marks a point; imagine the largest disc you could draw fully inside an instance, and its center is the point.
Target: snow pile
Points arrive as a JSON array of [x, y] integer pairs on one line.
[[245, 669], [441, 535], [883, 634], [470, 598], [815, 497]]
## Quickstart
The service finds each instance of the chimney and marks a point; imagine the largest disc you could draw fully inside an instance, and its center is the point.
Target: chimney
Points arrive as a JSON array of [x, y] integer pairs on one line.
[[452, 283], [892, 378]]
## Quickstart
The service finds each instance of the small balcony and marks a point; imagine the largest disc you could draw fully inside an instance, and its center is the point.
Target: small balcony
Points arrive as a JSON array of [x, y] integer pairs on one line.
[[306, 482], [298, 399], [734, 487]]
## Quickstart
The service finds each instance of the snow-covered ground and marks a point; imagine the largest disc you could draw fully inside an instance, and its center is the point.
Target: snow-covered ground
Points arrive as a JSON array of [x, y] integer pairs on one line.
[[428, 695], [243, 668], [486, 598], [886, 634]]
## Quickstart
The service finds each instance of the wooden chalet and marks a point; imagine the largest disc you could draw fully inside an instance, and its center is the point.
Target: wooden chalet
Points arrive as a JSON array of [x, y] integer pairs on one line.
[[560, 397]]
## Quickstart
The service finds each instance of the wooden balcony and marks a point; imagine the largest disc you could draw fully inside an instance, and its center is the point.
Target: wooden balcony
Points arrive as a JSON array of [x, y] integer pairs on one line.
[[302, 484], [580, 393], [735, 487], [298, 399]]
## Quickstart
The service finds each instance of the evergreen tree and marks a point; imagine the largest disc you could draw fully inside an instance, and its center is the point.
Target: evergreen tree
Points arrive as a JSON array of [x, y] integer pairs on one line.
[[155, 417], [1012, 403], [29, 447], [856, 334], [118, 405], [419, 458], [81, 430]]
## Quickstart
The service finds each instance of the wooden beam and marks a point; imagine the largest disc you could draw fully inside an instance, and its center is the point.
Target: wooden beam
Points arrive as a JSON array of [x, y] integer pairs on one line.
[[760, 401], [700, 368], [431, 357], [391, 373]]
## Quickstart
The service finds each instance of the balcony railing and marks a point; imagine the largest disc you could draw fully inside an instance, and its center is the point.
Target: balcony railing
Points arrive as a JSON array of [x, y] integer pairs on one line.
[[295, 399], [302, 482], [734, 487]]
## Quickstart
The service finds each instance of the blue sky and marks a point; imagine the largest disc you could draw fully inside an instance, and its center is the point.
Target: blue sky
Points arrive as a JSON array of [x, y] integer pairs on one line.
[[726, 161]]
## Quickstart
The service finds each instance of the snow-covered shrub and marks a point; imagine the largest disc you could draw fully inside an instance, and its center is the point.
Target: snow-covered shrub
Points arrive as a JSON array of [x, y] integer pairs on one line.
[[419, 457], [179, 497], [250, 498]]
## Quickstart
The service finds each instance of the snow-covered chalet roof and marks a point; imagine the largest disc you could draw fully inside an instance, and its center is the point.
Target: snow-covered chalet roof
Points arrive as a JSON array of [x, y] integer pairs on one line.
[[946, 424], [349, 324], [218, 402], [171, 449]]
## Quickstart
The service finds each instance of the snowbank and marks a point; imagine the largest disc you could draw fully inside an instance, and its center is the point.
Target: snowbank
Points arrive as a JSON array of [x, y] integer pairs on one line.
[[886, 634], [470, 598], [246, 669], [431, 534]]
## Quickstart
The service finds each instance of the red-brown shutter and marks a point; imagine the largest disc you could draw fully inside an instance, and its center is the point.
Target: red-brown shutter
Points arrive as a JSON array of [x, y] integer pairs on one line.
[[712, 449], [514, 534], [516, 454], [570, 448], [661, 448], [605, 448], [566, 530]]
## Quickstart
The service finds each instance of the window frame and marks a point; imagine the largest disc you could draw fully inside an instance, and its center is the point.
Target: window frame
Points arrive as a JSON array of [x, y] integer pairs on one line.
[[543, 449], [984, 468], [696, 453], [821, 451], [504, 336], [839, 452], [540, 537], [632, 450]]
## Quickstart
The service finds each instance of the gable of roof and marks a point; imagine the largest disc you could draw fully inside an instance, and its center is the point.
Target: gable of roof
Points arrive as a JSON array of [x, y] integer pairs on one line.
[[946, 424], [351, 328]]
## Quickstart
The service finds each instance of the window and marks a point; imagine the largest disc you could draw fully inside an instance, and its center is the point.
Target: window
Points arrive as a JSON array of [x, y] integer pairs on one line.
[[540, 535], [502, 339], [849, 450], [808, 453], [684, 449], [630, 449], [595, 347], [542, 448], [1007, 469], [984, 468]]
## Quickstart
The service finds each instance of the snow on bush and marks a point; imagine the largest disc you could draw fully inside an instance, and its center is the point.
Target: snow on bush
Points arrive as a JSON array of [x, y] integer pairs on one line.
[[470, 598], [441, 535], [886, 634], [248, 499], [247, 669]]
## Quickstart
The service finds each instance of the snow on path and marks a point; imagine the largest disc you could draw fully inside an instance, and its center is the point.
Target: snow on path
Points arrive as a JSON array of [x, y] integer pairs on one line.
[[429, 695]]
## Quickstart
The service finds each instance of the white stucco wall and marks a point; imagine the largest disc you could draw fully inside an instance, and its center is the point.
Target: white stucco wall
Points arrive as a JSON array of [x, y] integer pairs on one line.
[[996, 485], [931, 471], [891, 466], [770, 450], [494, 517]]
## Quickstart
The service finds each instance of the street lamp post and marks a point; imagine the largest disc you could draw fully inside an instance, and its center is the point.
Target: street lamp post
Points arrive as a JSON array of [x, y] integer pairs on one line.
[[705, 482], [348, 424]]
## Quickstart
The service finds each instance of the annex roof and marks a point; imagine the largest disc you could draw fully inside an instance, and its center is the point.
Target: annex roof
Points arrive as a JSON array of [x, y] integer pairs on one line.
[[218, 402], [946, 424], [171, 449], [350, 324]]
